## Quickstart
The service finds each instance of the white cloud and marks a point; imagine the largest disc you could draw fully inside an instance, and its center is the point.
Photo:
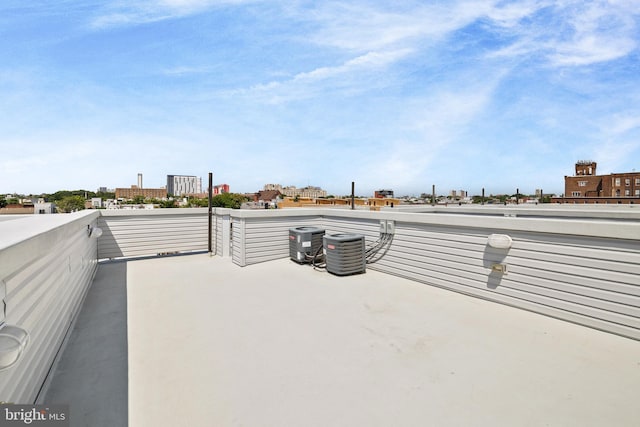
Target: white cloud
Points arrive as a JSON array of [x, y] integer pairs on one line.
[[511, 14], [135, 12], [618, 140], [569, 33], [434, 123], [316, 82], [365, 28], [621, 124], [186, 71]]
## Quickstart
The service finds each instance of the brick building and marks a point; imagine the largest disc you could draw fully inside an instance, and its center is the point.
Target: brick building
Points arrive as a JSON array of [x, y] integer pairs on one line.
[[151, 193], [588, 187]]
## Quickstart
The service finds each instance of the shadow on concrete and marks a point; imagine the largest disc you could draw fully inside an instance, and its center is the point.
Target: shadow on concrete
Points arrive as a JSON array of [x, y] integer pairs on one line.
[[92, 374]]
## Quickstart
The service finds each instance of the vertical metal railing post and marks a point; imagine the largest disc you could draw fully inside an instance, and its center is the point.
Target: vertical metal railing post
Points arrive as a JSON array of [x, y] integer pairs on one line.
[[210, 211]]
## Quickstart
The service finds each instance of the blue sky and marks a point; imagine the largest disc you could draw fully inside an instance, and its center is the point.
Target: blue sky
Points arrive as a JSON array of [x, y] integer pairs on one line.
[[462, 94]]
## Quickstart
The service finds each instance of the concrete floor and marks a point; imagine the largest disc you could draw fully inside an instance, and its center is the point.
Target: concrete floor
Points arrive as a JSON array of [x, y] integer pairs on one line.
[[279, 344], [91, 375]]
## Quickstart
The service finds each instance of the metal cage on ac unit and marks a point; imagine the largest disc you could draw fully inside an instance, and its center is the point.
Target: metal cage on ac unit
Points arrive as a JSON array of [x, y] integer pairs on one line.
[[305, 243], [345, 254]]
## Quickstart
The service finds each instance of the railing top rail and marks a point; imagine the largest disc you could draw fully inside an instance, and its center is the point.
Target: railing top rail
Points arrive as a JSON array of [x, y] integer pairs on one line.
[[514, 220], [27, 227]]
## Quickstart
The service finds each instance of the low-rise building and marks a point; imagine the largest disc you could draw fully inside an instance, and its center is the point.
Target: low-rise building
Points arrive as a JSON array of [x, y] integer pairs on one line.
[[42, 207], [588, 187], [134, 191]]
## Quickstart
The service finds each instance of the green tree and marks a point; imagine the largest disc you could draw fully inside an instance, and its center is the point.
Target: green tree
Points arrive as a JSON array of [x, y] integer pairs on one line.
[[227, 200], [3, 202], [170, 203], [70, 204], [59, 195], [139, 199], [105, 195]]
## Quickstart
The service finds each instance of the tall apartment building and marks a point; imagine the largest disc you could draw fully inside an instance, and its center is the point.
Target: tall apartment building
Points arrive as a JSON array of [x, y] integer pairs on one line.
[[179, 185], [587, 187]]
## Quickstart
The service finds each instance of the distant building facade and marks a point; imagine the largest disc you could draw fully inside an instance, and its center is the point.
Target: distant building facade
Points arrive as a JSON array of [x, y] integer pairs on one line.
[[134, 191], [221, 189], [381, 194], [42, 208], [179, 185], [307, 192], [274, 187], [588, 187]]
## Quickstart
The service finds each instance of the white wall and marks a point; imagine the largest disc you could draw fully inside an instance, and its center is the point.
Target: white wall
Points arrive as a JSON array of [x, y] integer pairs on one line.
[[47, 263]]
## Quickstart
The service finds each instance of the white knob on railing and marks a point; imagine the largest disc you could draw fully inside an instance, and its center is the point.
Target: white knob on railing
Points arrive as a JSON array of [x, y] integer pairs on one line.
[[500, 241], [13, 341]]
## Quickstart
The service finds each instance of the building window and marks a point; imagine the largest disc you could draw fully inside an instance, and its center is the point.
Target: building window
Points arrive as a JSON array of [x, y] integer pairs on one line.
[[627, 192], [627, 182], [637, 193], [637, 181], [617, 182], [582, 183], [575, 194]]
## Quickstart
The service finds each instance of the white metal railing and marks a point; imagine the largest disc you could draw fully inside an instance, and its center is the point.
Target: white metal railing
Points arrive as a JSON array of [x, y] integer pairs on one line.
[[47, 263], [137, 233]]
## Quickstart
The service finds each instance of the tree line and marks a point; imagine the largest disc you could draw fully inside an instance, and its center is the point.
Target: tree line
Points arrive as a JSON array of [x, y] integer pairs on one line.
[[70, 201]]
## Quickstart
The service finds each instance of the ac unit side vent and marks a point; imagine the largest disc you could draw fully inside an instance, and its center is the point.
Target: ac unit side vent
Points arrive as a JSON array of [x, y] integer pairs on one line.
[[345, 254], [305, 243]]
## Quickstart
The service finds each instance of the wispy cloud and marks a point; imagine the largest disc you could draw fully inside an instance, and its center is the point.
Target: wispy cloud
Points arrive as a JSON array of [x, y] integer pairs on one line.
[[432, 124], [136, 12], [316, 82], [569, 33], [363, 27], [599, 32], [619, 138], [182, 71]]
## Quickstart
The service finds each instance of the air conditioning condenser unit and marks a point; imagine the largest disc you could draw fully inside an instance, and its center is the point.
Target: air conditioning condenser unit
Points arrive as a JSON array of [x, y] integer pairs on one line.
[[344, 254], [305, 243]]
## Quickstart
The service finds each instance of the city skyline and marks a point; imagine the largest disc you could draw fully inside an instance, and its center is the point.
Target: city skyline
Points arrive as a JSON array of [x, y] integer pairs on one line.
[[459, 94]]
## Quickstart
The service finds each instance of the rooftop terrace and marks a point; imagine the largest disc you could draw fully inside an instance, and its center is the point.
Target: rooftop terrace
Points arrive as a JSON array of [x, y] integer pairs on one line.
[[429, 335]]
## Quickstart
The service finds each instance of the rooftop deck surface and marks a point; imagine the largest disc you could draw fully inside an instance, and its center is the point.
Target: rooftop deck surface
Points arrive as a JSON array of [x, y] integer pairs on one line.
[[204, 342]]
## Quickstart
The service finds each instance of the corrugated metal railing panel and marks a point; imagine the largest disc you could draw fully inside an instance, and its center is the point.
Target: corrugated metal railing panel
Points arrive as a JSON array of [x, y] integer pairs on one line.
[[369, 228], [267, 239], [588, 280], [217, 235], [44, 293], [238, 240], [150, 235]]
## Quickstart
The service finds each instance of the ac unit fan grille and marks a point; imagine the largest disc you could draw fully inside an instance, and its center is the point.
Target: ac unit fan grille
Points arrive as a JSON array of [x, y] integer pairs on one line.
[[345, 254]]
